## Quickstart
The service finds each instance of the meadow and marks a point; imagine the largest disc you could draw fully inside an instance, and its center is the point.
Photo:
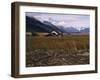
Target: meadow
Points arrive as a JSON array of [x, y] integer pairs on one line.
[[55, 51]]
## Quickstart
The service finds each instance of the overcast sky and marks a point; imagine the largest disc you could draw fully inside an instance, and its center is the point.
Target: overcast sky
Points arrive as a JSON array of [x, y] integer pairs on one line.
[[65, 20]]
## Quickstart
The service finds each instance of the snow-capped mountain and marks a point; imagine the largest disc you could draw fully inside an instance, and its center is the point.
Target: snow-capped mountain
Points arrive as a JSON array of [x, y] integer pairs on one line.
[[34, 25], [85, 30]]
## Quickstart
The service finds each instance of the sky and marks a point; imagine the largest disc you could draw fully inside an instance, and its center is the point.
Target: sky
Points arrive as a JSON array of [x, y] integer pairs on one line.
[[78, 21]]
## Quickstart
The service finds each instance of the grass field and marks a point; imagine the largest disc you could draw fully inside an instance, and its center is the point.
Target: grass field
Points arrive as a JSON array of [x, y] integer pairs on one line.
[[52, 51]]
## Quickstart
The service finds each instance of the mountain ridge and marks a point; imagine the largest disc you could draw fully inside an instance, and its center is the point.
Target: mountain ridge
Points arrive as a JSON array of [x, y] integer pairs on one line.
[[34, 25]]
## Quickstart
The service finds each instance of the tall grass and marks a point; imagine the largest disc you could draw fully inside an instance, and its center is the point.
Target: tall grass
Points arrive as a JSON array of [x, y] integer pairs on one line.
[[68, 43]]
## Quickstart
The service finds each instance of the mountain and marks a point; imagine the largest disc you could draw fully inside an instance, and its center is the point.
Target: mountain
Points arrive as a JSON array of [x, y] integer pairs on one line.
[[49, 24], [84, 30], [62, 29], [71, 29], [34, 25]]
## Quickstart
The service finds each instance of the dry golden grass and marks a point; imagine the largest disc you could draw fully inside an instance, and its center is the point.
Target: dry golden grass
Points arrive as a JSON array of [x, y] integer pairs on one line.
[[70, 42]]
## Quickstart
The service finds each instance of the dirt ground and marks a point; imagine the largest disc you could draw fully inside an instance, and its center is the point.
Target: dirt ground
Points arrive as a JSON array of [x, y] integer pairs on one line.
[[40, 57]]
